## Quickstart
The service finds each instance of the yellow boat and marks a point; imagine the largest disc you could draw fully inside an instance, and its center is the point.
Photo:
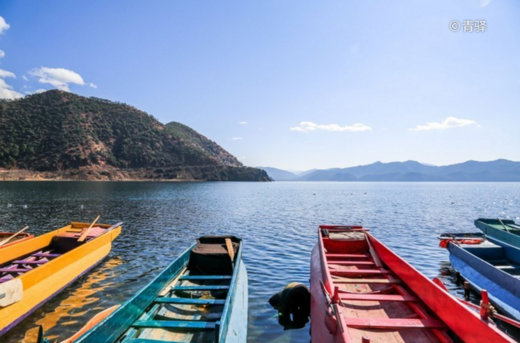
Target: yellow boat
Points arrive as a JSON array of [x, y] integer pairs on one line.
[[34, 271]]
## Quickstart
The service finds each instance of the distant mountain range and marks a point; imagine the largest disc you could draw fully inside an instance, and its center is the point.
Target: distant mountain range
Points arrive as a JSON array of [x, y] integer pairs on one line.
[[499, 170]]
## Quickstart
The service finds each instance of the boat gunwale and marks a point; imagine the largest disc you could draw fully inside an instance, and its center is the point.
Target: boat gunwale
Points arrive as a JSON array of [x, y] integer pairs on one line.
[[226, 312]]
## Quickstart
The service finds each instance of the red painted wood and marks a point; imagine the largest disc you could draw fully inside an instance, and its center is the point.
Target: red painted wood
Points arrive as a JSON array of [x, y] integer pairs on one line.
[[338, 245], [347, 255], [377, 297], [421, 290], [367, 281], [395, 323], [349, 263], [359, 272], [450, 311]]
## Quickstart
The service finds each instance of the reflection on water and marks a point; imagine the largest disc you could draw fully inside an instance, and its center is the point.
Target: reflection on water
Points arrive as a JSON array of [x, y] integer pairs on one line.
[[278, 222], [78, 305]]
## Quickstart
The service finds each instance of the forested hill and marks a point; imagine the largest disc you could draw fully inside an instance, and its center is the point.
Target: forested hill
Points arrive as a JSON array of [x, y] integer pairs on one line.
[[90, 138]]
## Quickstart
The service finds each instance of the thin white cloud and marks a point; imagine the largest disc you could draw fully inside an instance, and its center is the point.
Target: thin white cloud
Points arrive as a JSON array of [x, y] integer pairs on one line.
[[5, 73], [237, 138], [2, 54], [6, 90], [40, 90], [448, 123], [25, 78], [92, 85], [308, 126], [58, 77], [3, 25], [243, 123]]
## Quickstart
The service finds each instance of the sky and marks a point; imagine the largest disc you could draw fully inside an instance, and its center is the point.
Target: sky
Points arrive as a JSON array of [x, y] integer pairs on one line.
[[288, 84]]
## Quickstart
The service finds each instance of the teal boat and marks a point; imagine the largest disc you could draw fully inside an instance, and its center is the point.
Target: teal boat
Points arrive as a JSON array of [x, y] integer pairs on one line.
[[200, 297], [504, 230]]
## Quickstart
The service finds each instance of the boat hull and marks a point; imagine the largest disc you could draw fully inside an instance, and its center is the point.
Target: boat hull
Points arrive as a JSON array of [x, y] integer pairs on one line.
[[46, 281], [237, 327], [493, 228], [503, 288]]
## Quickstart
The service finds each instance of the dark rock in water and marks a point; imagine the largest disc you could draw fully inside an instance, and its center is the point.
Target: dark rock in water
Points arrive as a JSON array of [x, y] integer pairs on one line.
[[293, 305]]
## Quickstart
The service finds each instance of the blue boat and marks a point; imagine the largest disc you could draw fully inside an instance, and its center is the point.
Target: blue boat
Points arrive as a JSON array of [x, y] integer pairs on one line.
[[490, 264], [504, 230], [200, 297]]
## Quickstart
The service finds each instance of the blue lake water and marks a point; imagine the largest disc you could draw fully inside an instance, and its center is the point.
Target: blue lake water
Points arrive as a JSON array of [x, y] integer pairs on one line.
[[278, 222]]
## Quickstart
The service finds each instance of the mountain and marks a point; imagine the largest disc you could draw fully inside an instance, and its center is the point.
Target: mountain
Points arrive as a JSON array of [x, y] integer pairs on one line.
[[57, 134], [499, 170], [278, 174]]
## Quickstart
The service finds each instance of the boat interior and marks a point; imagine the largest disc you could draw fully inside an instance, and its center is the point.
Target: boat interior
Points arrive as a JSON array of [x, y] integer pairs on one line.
[[501, 257], [62, 242], [375, 303], [504, 225], [191, 306]]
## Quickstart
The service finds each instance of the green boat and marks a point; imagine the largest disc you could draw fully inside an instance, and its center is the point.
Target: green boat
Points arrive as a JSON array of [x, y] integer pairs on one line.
[[200, 297], [504, 230]]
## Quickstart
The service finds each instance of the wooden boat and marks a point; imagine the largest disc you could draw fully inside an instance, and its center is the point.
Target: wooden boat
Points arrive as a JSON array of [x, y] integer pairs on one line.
[[33, 271], [14, 238], [491, 265], [505, 230], [199, 297], [361, 291]]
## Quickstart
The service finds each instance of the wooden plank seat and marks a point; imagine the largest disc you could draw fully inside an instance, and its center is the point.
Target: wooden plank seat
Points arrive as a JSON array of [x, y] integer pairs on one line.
[[359, 272], [350, 263], [205, 277], [378, 297], [331, 255], [394, 323], [199, 288], [367, 281], [190, 301], [174, 324]]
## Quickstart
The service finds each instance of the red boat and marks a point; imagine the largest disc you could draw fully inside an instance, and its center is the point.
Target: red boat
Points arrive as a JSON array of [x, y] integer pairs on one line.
[[363, 292]]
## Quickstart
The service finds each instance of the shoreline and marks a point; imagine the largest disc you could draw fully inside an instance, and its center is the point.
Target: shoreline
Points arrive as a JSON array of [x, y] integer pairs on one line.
[[172, 174]]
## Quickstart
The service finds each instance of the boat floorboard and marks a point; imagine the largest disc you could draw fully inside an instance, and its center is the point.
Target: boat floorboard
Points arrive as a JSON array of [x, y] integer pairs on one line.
[[188, 312], [376, 304]]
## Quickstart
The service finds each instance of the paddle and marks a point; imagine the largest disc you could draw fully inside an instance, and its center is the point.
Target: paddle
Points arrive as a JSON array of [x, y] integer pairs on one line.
[[8, 239], [507, 230], [86, 232], [231, 252]]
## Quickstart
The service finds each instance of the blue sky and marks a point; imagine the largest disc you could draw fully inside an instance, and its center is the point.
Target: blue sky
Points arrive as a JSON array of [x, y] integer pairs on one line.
[[364, 77]]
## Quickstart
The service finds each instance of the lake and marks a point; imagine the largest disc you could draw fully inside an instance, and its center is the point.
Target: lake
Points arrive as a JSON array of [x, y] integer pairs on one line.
[[278, 222]]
